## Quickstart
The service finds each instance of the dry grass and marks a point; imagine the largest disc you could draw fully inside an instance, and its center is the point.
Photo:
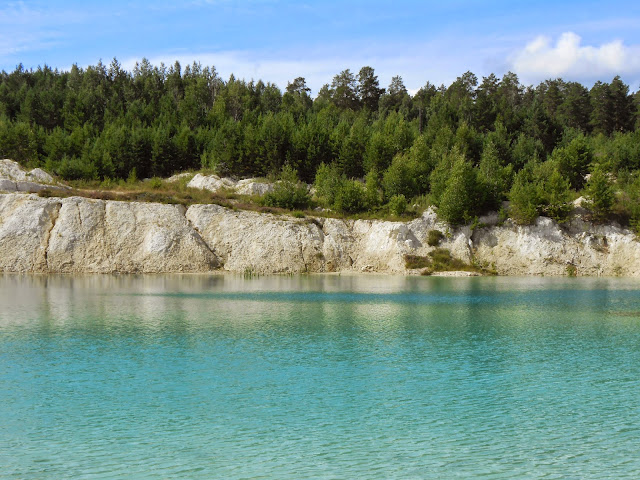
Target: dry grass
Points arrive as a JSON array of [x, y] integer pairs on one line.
[[158, 190]]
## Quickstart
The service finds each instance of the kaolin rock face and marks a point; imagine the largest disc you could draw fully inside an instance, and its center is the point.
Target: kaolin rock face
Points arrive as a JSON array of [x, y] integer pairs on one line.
[[79, 235]]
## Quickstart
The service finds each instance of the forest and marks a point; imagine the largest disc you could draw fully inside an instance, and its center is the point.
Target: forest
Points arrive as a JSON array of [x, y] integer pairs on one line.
[[465, 148]]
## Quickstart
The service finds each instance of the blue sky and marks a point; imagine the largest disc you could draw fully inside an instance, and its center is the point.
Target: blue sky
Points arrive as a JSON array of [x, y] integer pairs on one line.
[[279, 40]]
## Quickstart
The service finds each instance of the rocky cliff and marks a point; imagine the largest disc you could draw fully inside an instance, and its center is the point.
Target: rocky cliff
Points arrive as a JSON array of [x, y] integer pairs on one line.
[[84, 235]]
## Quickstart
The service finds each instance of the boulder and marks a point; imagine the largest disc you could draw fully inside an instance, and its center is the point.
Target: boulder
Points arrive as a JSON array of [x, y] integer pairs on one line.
[[213, 183], [13, 178], [251, 186]]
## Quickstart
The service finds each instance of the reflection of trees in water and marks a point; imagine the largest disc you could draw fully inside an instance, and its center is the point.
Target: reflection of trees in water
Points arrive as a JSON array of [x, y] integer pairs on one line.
[[392, 306]]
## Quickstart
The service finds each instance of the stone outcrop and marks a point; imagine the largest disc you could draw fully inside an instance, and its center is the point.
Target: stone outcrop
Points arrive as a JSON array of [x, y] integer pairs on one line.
[[14, 179], [84, 235], [212, 183], [250, 186], [179, 176], [547, 248]]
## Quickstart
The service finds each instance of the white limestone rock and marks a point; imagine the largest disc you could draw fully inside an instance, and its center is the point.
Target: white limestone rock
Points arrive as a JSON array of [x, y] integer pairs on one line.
[[84, 235], [25, 225], [213, 183], [108, 236], [259, 243], [251, 186], [39, 175], [13, 178], [179, 176]]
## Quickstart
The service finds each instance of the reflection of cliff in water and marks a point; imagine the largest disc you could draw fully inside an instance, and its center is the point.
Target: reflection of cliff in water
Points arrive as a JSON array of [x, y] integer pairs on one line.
[[397, 307]]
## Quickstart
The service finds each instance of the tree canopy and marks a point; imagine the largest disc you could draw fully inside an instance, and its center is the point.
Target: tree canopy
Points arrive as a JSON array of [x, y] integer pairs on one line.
[[487, 135]]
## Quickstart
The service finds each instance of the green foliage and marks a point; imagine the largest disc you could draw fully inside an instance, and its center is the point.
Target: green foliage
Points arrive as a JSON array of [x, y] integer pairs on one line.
[[599, 193], [339, 193], [440, 174], [459, 200], [372, 189], [574, 160], [494, 179], [350, 197], [524, 198], [539, 189], [633, 192], [397, 204], [434, 237], [288, 192], [440, 260], [555, 195], [73, 169], [416, 261], [155, 182], [400, 178], [327, 182], [133, 177], [102, 122], [409, 172]]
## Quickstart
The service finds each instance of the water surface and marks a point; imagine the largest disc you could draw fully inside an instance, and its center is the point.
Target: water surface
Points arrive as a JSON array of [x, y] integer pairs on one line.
[[318, 377]]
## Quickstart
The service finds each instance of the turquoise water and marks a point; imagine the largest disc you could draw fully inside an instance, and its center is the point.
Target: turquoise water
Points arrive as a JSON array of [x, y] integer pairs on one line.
[[318, 377]]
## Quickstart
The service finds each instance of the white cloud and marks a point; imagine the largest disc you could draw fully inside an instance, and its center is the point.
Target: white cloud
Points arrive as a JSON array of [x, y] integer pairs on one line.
[[568, 58]]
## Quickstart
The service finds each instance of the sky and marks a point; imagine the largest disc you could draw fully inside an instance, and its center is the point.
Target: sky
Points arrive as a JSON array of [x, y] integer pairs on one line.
[[278, 40]]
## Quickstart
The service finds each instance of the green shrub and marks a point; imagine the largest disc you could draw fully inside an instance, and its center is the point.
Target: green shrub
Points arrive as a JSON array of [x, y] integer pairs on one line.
[[440, 260], [350, 197], [397, 205], [73, 168], [524, 198], [133, 176], [155, 183], [633, 192], [288, 192], [406, 176], [459, 201], [493, 178], [434, 237], [574, 160], [599, 194], [416, 261], [327, 182], [341, 194], [372, 189], [555, 194]]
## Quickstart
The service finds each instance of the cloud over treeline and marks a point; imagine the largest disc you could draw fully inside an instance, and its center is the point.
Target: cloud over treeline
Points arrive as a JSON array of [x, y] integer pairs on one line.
[[569, 58]]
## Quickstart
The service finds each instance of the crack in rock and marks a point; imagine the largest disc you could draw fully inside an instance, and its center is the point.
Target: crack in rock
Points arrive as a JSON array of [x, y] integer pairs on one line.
[[53, 217]]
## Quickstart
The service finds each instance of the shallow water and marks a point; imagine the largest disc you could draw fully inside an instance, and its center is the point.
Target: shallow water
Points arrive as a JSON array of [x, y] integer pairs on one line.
[[318, 377]]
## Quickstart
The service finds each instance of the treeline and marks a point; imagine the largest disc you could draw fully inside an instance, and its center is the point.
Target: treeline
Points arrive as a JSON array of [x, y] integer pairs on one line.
[[468, 146]]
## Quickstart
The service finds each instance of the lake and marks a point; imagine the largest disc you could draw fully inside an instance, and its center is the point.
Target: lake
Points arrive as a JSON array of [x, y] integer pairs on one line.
[[276, 377]]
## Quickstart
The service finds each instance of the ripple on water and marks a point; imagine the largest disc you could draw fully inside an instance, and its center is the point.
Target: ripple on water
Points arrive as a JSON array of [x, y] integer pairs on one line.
[[318, 377]]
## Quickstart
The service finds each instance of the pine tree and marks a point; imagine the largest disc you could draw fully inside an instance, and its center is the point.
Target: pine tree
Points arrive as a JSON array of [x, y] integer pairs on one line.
[[599, 193]]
